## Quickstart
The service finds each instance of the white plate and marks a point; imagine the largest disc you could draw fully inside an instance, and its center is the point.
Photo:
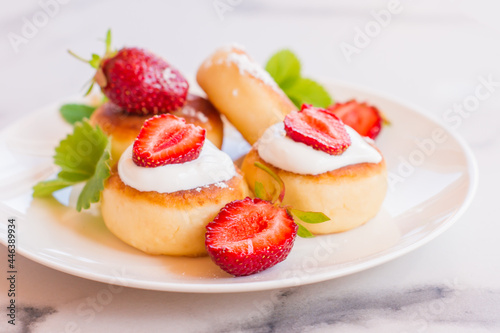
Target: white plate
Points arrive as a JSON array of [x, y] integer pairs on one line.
[[435, 186]]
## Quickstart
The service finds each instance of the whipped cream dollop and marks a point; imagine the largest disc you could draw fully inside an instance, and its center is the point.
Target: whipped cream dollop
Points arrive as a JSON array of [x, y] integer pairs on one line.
[[212, 166], [276, 148]]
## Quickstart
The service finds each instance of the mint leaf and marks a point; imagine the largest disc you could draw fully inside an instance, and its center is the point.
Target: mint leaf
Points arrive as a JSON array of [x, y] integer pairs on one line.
[[73, 113], [46, 188], [307, 91], [303, 232], [284, 68], [309, 217], [92, 190], [83, 155], [260, 191]]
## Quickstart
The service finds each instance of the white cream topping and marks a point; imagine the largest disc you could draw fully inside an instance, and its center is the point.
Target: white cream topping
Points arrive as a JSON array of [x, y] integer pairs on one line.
[[276, 148], [213, 166]]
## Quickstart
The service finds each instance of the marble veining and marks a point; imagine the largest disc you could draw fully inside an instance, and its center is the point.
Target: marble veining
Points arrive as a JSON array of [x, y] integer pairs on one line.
[[30, 316], [414, 309]]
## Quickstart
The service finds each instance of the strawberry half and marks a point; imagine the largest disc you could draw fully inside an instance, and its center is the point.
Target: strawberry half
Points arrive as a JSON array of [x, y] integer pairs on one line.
[[364, 118], [317, 128], [167, 139], [141, 82], [249, 236]]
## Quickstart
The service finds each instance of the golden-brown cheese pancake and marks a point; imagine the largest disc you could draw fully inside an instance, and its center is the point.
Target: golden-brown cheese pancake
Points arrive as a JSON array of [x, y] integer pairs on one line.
[[166, 223], [349, 196]]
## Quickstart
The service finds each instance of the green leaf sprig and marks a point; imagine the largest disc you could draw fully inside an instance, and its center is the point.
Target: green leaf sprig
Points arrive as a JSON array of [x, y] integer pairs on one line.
[[284, 67], [84, 156], [298, 215]]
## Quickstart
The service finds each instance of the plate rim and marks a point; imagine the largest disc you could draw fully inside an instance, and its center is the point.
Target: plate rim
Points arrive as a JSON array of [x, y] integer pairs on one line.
[[206, 288]]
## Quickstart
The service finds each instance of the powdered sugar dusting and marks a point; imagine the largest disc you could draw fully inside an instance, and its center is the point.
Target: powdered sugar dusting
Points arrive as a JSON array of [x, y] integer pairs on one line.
[[245, 64], [192, 112], [221, 185], [218, 184]]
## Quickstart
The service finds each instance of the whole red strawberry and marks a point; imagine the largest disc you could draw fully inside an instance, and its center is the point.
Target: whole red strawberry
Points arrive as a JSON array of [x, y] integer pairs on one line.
[[317, 128], [138, 81], [363, 118], [141, 82], [249, 236]]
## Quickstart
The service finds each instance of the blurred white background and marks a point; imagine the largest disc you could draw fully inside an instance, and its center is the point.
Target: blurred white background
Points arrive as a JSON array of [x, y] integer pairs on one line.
[[430, 53]]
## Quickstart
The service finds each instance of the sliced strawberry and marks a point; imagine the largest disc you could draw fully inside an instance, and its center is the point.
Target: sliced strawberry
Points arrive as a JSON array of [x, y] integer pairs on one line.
[[319, 129], [364, 118], [249, 236], [167, 139]]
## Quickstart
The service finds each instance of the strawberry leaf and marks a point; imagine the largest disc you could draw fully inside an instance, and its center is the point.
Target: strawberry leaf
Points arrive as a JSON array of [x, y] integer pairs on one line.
[[46, 188], [83, 155], [260, 191], [309, 217], [80, 151], [91, 192], [73, 113], [303, 232], [72, 177]]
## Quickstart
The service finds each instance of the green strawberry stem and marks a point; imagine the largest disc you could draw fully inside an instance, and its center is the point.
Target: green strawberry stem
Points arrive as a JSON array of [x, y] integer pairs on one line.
[[298, 215], [107, 42], [385, 120], [278, 180], [260, 191], [78, 57], [96, 61]]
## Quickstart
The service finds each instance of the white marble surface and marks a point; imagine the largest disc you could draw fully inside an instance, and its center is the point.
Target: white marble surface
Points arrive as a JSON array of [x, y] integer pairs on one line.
[[431, 54]]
